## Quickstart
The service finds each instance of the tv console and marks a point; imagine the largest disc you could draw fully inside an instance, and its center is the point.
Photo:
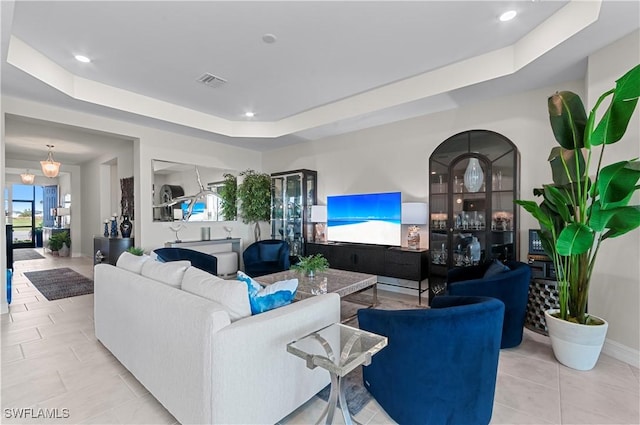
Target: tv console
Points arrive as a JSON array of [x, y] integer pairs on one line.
[[381, 260]]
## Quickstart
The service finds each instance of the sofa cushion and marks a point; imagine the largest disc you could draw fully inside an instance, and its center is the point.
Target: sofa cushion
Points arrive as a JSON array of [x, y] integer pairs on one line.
[[231, 294], [272, 296], [169, 273], [496, 267], [130, 262]]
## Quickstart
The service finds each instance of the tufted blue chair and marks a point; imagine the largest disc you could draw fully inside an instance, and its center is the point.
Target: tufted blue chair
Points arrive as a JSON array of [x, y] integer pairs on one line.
[[440, 364], [265, 257], [509, 286], [198, 259]]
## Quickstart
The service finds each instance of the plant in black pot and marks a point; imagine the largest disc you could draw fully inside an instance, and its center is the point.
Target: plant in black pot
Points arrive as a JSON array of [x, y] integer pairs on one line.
[[587, 203], [254, 194]]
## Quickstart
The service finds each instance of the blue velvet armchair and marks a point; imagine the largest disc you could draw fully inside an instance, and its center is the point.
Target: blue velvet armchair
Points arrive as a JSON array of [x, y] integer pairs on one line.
[[265, 257], [440, 364], [511, 287], [198, 259]]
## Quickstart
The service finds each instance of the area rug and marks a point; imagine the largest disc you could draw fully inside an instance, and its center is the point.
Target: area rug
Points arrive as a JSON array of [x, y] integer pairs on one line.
[[23, 254], [357, 395], [55, 284]]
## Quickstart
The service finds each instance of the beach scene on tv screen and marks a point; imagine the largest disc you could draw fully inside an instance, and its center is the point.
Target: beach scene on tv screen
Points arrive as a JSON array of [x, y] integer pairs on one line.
[[372, 218]]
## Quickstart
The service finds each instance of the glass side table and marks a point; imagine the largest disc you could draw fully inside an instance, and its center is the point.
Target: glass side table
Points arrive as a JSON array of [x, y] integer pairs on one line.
[[354, 347]]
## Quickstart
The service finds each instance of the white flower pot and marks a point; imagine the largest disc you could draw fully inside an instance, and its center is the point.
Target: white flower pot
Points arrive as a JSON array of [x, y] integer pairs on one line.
[[574, 345]]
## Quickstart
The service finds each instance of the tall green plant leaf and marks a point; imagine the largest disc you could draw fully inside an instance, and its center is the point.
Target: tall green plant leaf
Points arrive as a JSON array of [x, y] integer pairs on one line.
[[617, 183], [563, 176], [616, 119], [559, 201], [622, 220], [568, 119], [536, 212], [575, 239]]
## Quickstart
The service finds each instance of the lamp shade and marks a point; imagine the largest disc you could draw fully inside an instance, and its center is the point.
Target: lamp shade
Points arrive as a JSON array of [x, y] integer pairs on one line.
[[27, 178], [50, 168], [414, 213], [60, 211], [318, 213]]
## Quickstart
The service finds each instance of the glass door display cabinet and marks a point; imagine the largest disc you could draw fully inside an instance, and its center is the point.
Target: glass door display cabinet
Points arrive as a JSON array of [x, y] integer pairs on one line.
[[473, 181], [292, 195]]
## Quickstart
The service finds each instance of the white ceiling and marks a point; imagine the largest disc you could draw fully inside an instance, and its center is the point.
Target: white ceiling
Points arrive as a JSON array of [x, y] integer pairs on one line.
[[335, 66]]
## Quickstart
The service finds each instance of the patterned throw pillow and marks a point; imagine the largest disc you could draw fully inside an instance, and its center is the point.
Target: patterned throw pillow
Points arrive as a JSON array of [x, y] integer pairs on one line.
[[272, 296]]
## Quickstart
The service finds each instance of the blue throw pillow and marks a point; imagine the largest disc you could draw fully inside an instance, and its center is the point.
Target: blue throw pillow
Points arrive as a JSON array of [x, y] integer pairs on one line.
[[495, 268], [272, 296]]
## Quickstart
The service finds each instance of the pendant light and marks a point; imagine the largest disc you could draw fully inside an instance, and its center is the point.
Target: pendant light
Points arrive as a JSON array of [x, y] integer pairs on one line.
[[50, 168], [473, 176], [27, 178]]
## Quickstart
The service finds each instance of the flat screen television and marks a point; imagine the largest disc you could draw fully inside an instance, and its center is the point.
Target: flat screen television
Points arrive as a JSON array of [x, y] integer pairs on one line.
[[371, 218]]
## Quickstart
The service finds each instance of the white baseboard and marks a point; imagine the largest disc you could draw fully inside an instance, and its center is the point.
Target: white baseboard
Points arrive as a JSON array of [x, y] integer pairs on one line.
[[622, 353]]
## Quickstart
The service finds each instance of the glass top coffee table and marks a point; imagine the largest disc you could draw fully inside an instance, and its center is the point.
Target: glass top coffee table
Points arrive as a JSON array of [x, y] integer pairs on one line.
[[338, 349], [341, 282]]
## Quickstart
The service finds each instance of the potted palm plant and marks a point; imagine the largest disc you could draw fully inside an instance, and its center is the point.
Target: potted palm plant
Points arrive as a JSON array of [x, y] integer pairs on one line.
[[587, 203], [254, 194]]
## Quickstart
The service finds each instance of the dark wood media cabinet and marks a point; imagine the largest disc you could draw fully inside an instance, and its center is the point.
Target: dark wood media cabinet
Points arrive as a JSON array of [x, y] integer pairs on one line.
[[381, 260]]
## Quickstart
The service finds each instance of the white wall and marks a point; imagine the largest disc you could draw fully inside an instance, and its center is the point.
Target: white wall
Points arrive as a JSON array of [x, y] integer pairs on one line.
[[4, 307], [148, 144], [395, 157], [615, 283]]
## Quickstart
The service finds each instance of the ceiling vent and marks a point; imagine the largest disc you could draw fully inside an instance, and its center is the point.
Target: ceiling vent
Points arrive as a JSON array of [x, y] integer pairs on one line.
[[211, 80]]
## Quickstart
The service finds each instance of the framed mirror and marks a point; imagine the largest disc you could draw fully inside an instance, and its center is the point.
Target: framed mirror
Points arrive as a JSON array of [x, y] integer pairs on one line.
[[173, 180]]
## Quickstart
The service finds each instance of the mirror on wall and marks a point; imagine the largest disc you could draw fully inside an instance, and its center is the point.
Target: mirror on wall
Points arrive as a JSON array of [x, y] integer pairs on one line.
[[172, 180]]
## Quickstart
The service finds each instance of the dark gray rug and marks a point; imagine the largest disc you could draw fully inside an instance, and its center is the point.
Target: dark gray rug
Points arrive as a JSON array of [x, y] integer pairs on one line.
[[55, 284], [23, 254], [357, 395]]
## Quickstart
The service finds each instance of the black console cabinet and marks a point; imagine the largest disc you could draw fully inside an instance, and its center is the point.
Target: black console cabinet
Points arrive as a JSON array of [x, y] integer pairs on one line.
[[108, 250], [395, 262]]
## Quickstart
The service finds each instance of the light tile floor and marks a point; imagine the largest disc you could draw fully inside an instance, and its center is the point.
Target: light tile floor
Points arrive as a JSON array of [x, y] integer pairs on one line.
[[51, 359]]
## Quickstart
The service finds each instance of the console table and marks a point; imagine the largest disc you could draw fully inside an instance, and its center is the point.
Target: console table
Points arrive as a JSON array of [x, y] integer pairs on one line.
[[210, 246], [108, 250], [395, 262]]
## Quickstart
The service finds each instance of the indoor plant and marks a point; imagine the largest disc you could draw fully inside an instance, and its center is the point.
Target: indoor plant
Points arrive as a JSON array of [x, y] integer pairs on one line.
[[254, 194], [586, 203], [135, 251], [229, 197], [311, 264]]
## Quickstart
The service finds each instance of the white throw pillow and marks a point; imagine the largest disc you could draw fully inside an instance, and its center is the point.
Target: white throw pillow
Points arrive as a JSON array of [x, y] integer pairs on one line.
[[170, 272], [130, 262], [230, 293]]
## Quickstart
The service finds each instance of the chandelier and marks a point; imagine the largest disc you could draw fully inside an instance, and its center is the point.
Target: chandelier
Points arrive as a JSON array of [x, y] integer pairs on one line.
[[50, 168], [27, 177]]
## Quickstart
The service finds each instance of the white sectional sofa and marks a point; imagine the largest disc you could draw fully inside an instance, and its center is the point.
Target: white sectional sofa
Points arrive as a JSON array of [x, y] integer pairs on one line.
[[202, 367]]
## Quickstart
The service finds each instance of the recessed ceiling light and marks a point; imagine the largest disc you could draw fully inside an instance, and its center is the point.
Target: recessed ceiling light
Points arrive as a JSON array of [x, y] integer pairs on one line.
[[269, 38], [249, 114], [507, 16], [83, 59]]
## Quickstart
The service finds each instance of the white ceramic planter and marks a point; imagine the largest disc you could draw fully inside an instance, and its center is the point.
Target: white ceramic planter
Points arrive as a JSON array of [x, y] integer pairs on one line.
[[574, 345]]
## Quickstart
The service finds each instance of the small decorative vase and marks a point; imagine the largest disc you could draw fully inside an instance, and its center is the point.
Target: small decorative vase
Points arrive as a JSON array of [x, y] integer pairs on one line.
[[126, 226], [474, 250], [473, 176], [311, 273], [114, 227], [106, 229]]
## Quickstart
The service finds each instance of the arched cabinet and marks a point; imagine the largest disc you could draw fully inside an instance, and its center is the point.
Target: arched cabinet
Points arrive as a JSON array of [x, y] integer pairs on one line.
[[473, 181]]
